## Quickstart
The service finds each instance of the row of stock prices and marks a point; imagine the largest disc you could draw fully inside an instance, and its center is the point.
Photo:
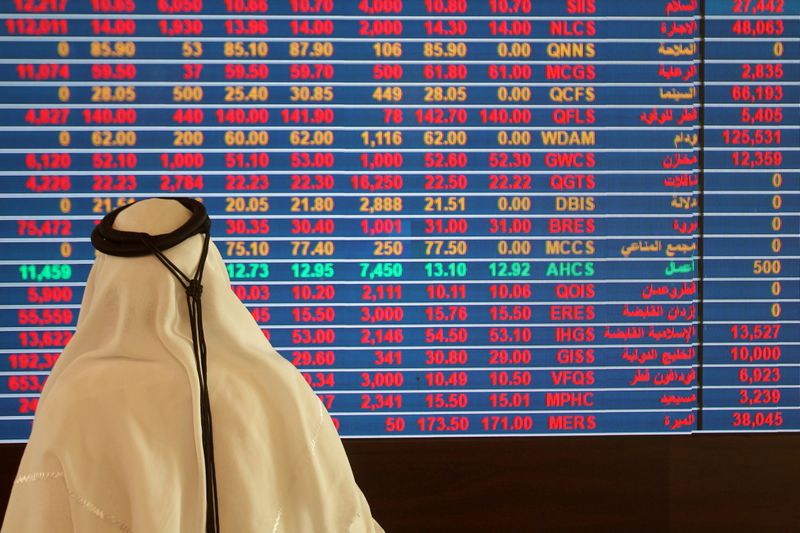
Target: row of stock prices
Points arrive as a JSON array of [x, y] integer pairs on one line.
[[455, 217]]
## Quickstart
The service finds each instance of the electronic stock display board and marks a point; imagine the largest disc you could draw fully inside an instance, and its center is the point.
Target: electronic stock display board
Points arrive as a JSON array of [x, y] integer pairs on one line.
[[455, 217]]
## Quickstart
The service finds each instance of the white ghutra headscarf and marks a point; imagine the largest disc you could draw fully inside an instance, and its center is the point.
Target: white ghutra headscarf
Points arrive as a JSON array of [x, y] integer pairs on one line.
[[117, 442]]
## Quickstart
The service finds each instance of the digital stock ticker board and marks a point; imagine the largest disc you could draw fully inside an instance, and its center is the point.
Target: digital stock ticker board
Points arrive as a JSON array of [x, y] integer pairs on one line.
[[455, 217]]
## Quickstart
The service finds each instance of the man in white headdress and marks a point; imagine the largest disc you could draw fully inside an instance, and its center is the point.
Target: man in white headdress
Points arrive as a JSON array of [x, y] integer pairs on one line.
[[119, 442]]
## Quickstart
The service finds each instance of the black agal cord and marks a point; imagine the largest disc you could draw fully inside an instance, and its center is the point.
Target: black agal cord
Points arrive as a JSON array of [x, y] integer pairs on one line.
[[110, 241]]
